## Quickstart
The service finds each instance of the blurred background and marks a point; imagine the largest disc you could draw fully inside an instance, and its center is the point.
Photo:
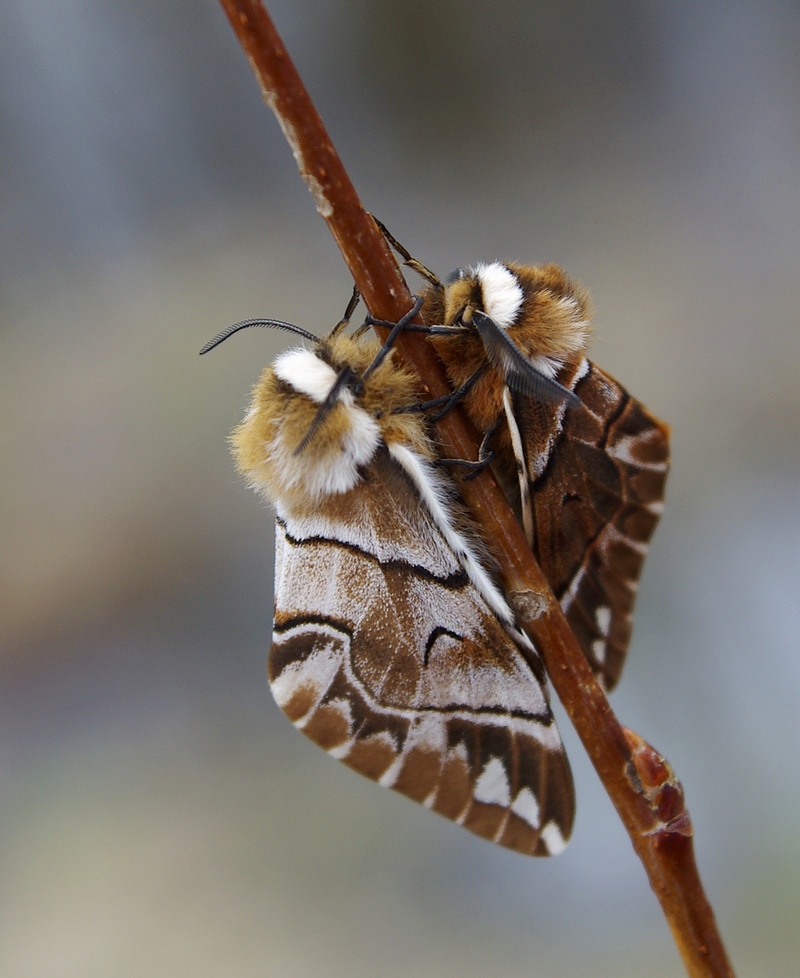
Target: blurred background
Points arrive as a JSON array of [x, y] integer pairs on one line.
[[158, 815]]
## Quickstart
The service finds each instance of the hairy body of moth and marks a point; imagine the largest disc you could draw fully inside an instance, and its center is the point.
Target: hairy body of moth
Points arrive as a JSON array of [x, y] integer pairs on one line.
[[392, 644], [587, 482]]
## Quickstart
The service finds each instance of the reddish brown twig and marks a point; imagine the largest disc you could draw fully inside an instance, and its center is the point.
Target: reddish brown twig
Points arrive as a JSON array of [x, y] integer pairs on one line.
[[639, 781]]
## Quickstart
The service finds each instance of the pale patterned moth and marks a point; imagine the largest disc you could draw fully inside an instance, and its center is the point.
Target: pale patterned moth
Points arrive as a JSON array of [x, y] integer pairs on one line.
[[393, 647], [583, 463]]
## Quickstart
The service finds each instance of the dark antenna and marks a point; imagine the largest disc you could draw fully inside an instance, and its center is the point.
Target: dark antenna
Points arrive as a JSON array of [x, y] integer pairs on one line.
[[245, 324], [516, 370], [345, 377], [348, 313]]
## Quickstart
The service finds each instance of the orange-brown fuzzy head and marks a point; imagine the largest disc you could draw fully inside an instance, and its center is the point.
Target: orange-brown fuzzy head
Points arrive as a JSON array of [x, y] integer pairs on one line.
[[285, 404], [542, 311]]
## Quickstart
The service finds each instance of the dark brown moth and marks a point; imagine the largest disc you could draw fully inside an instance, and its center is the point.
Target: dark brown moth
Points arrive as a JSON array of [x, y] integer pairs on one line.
[[393, 647], [582, 461]]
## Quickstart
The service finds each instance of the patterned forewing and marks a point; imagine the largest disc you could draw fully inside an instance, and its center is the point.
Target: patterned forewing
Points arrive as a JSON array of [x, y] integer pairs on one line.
[[403, 673], [598, 490]]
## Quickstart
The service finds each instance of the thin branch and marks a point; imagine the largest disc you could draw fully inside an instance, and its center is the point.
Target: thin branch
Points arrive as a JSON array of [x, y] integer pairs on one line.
[[640, 783]]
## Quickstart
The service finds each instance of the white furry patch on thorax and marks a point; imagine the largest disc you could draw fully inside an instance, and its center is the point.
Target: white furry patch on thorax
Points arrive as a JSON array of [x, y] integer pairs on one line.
[[323, 468], [549, 366], [315, 473], [337, 474], [304, 371], [502, 294]]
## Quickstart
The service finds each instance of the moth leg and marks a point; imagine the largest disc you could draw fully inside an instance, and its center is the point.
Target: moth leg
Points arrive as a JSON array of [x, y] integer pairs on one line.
[[424, 405], [348, 313], [395, 329], [485, 454], [473, 468], [452, 399], [404, 325], [446, 402], [408, 260], [370, 321]]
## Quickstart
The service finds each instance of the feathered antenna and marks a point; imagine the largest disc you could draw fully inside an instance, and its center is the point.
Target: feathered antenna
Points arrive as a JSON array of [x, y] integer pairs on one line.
[[522, 376], [277, 323]]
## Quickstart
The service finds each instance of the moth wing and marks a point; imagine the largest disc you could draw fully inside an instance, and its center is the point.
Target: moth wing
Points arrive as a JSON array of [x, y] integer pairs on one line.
[[386, 655], [598, 491]]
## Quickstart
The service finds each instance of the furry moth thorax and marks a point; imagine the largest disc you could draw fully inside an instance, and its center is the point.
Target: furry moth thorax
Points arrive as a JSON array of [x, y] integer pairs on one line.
[[366, 416], [542, 310], [336, 469], [546, 311]]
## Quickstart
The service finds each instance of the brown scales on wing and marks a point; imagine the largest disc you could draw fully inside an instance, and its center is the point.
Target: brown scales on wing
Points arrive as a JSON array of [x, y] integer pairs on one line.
[[357, 665], [597, 495], [388, 650], [597, 473], [438, 766]]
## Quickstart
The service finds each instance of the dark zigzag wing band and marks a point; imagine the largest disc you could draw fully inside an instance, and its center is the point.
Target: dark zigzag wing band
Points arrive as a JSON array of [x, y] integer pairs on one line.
[[598, 491], [413, 683]]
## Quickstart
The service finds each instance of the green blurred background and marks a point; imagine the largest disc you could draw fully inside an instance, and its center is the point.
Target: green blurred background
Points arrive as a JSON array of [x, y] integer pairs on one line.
[[158, 816]]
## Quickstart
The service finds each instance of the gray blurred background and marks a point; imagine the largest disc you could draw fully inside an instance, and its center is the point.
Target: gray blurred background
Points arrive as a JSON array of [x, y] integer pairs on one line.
[[158, 816]]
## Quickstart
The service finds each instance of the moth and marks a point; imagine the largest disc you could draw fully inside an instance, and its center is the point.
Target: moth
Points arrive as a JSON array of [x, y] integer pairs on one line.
[[394, 649], [583, 462]]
